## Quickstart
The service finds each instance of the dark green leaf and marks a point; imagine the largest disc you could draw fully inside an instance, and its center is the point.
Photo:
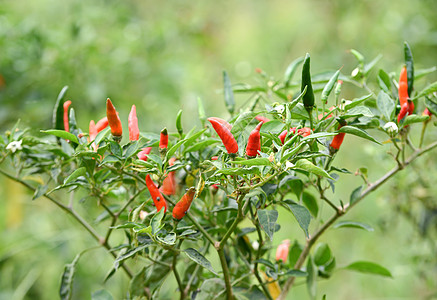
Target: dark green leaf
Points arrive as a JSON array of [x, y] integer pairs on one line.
[[109, 159], [131, 150], [385, 105], [102, 135], [369, 268], [431, 105], [198, 258], [73, 176], [296, 273], [39, 191], [310, 202], [58, 111], [322, 255], [267, 218], [115, 148], [311, 278], [353, 224], [358, 132], [355, 195], [301, 214], [62, 134], [155, 223], [265, 262], [229, 95]]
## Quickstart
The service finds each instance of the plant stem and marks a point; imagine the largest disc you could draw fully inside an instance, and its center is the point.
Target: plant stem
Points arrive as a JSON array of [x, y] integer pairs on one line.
[[340, 212], [175, 271], [226, 275]]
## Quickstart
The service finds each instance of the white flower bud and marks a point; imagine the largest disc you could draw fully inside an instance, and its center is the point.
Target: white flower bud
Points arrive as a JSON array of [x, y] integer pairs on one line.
[[391, 128], [14, 146]]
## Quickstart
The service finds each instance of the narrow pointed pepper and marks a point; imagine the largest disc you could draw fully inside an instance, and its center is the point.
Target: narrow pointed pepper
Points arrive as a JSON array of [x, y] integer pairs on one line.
[[426, 112], [113, 121], [163, 140], [134, 132], [181, 208], [66, 123], [403, 87], [308, 98], [157, 197], [223, 122], [254, 141], [262, 119], [92, 134], [225, 135], [338, 139], [142, 155], [169, 183], [102, 124]]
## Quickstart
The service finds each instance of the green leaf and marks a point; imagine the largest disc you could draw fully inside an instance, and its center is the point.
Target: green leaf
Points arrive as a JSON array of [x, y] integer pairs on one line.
[[385, 105], [240, 171], [301, 214], [431, 105], [414, 119], [358, 56], [310, 202], [39, 191], [201, 145], [210, 289], [368, 67], [311, 278], [198, 258], [322, 255], [131, 150], [384, 81], [65, 290], [58, 111], [357, 101], [329, 86], [102, 135], [73, 176], [62, 134], [423, 72], [189, 140], [101, 295], [291, 69], [115, 149], [155, 223], [173, 149], [137, 283], [169, 239], [306, 165], [431, 88], [242, 121], [353, 224], [121, 258], [358, 111], [110, 159], [259, 161], [355, 195], [296, 273], [318, 135], [410, 67], [369, 268], [267, 218], [229, 95], [358, 132]]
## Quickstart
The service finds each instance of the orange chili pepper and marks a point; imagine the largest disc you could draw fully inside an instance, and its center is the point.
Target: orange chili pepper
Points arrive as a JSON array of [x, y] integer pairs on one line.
[[337, 140], [92, 134], [143, 153], [225, 134], [181, 208], [158, 199], [282, 251], [262, 119], [134, 132], [114, 121], [254, 142], [102, 124], [169, 184], [66, 122], [403, 86], [163, 140]]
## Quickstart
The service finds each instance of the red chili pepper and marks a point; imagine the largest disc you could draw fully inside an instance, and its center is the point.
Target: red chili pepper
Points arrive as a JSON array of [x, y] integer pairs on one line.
[[403, 86], [426, 112], [114, 121], [214, 158], [169, 184], [134, 132], [254, 142], [225, 135], [163, 140], [282, 251], [284, 133], [102, 124], [403, 112], [66, 123], [223, 122], [337, 140], [262, 119], [305, 131], [92, 134], [181, 208], [143, 153], [158, 199], [327, 117]]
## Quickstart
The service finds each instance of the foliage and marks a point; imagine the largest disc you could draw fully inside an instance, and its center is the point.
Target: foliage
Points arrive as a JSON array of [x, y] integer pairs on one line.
[[295, 176]]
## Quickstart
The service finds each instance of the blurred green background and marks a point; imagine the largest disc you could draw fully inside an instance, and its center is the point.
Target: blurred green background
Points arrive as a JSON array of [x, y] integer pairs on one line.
[[161, 56]]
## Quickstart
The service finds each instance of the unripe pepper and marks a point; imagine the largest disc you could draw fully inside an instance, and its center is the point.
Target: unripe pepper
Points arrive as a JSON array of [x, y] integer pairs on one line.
[[403, 86], [308, 98], [113, 121], [158, 199], [102, 124], [225, 135], [254, 141], [282, 251], [163, 140], [134, 132], [142, 155], [181, 208], [169, 183], [337, 140], [66, 123]]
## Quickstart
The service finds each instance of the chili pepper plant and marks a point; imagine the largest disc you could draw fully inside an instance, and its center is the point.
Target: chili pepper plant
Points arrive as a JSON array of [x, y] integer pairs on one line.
[[201, 204]]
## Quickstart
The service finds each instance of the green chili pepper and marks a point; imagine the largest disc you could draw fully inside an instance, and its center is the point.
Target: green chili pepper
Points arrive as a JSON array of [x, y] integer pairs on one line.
[[179, 123], [410, 67], [308, 98]]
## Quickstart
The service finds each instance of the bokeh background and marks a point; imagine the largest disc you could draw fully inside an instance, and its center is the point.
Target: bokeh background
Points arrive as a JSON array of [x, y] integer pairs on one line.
[[162, 56]]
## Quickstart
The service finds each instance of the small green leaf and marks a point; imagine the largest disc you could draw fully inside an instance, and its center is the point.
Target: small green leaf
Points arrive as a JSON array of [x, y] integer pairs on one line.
[[155, 223], [101, 295], [120, 259], [110, 159], [431, 105], [423, 72], [414, 119], [198, 258], [296, 273], [311, 278], [431, 88], [131, 150], [368, 67], [102, 135], [201, 145], [73, 176], [385, 105], [358, 56], [355, 195], [62, 134], [169, 239], [306, 165], [65, 290], [384, 81], [39, 191], [173, 149], [358, 132], [242, 121], [310, 202], [229, 95], [369, 268], [58, 111], [357, 101], [322, 255], [291, 69], [136, 285], [353, 224], [301, 214], [267, 218], [115, 149], [259, 161]]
